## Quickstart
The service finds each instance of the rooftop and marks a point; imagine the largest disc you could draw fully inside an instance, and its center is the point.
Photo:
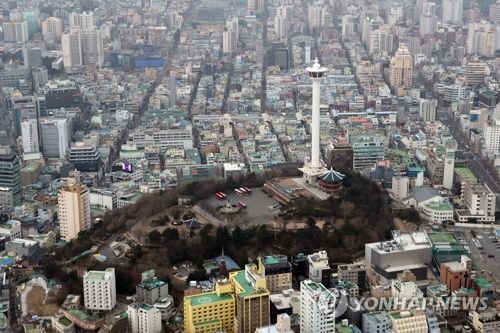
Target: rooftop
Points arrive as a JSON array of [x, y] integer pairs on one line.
[[440, 205], [206, 298], [99, 275], [152, 283], [482, 282], [82, 316]]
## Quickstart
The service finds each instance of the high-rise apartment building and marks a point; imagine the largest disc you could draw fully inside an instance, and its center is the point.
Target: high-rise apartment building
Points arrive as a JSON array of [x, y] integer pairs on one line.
[[83, 20], [16, 32], [401, 70], [29, 136], [71, 49], [452, 11], [428, 109], [10, 173], [144, 318], [476, 71], [229, 41], [99, 290], [317, 306], [52, 29], [492, 138], [82, 47], [73, 208]]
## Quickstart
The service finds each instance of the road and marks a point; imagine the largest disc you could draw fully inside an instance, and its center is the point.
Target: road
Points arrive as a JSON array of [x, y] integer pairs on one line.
[[483, 175], [480, 256], [475, 161]]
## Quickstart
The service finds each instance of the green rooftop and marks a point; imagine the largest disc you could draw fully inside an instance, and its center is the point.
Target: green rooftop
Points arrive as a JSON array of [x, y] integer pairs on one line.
[[343, 329], [207, 298], [82, 316], [248, 289], [441, 205], [482, 282], [316, 286], [3, 321], [442, 238], [65, 321], [152, 283], [465, 175], [98, 275]]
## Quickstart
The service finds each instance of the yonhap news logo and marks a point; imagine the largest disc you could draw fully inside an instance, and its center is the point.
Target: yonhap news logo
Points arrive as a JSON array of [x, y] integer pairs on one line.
[[335, 302]]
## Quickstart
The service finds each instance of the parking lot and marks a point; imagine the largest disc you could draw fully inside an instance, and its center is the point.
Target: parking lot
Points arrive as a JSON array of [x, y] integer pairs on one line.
[[483, 248], [260, 208]]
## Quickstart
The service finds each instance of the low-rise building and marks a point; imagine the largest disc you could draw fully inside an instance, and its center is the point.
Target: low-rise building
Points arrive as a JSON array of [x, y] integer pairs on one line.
[[151, 289], [485, 322]]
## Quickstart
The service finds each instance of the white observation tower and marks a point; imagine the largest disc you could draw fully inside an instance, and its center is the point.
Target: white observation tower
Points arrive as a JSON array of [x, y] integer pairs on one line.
[[314, 168]]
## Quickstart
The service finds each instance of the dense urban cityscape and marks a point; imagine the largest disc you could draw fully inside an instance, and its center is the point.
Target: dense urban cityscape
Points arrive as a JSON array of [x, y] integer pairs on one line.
[[249, 166]]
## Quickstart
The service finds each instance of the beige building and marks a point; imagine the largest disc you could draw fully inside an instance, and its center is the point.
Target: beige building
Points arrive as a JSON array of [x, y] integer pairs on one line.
[[278, 273], [485, 322], [73, 209], [409, 321], [401, 70]]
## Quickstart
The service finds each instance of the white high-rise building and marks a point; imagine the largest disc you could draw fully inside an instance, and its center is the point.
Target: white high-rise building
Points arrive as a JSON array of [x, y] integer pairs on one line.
[[449, 164], [29, 136], [84, 20], [73, 209], [317, 305], [52, 29], [144, 318], [452, 11], [428, 109], [315, 17], [15, 32], [284, 15], [99, 290], [55, 136], [492, 138], [428, 24], [82, 47], [71, 49], [229, 41], [92, 48], [233, 25]]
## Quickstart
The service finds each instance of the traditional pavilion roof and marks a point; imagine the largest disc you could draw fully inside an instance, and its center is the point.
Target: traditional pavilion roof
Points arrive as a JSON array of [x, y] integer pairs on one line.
[[331, 176]]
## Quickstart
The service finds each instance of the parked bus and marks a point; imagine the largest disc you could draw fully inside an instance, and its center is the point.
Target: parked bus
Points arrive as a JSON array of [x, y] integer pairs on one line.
[[238, 192], [249, 191], [242, 205]]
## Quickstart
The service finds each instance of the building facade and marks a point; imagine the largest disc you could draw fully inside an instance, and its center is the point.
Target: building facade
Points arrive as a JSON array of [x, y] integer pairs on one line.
[[99, 290]]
